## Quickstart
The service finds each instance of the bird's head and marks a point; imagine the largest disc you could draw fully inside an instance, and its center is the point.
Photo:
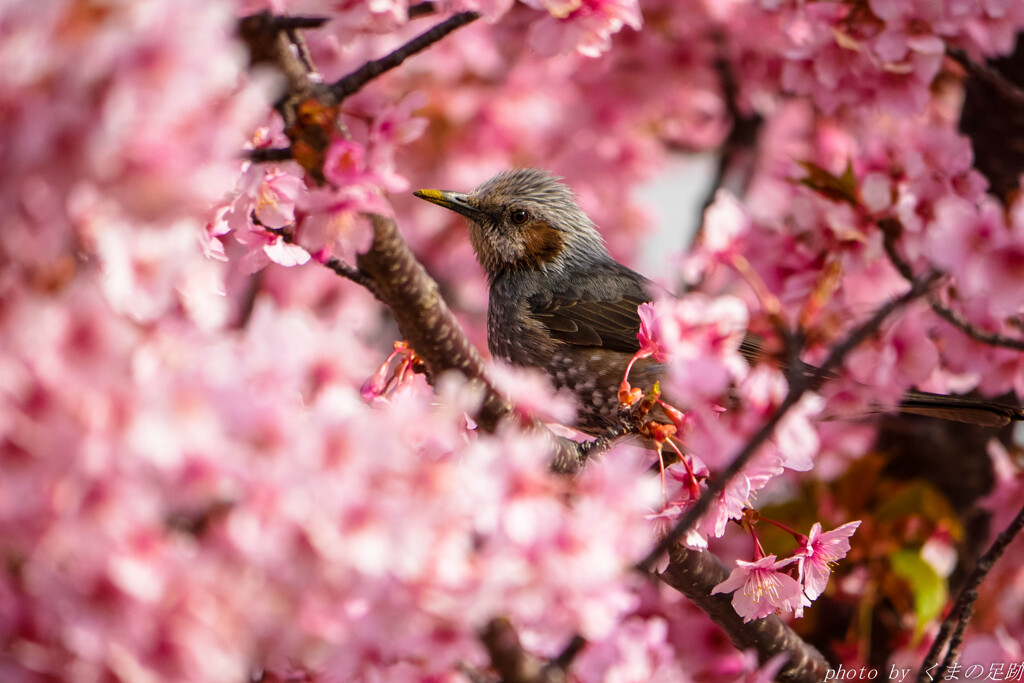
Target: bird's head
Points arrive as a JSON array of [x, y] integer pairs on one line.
[[524, 220]]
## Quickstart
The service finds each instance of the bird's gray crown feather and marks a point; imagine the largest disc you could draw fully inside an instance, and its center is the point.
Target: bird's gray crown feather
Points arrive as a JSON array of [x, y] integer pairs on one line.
[[554, 234]]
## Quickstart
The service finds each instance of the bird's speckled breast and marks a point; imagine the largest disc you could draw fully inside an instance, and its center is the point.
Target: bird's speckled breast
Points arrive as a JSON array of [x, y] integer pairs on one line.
[[592, 374]]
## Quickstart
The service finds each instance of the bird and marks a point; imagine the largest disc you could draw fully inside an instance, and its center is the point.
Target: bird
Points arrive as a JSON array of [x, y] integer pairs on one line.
[[560, 303]]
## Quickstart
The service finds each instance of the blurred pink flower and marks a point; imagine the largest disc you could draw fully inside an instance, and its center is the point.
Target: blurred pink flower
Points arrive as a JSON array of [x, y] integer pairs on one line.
[[334, 219], [664, 520], [532, 394], [727, 505], [649, 334], [275, 199], [637, 651], [585, 26], [263, 202], [102, 107], [345, 164], [795, 442], [739, 493], [842, 59], [193, 495], [984, 254], [725, 223], [701, 336], [267, 247]]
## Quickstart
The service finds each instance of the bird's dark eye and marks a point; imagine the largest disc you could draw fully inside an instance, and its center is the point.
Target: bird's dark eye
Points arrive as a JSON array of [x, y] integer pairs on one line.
[[519, 216]]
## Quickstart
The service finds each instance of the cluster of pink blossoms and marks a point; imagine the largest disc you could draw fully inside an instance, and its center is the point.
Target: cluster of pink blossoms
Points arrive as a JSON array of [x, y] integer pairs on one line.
[[193, 487], [915, 174], [699, 339], [848, 54]]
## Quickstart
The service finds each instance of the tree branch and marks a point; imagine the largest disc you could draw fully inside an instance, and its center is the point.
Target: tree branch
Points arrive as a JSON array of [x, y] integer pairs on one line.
[[696, 573], [890, 231], [1007, 89], [388, 269], [799, 384], [955, 623], [351, 84], [268, 41], [426, 322], [269, 154], [421, 9], [515, 665], [738, 155]]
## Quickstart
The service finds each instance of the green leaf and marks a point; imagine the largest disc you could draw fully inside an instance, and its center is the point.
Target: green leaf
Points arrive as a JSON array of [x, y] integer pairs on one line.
[[842, 188], [927, 588]]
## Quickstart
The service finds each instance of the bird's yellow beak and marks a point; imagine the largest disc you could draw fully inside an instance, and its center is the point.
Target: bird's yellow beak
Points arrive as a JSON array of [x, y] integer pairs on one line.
[[453, 201], [435, 196]]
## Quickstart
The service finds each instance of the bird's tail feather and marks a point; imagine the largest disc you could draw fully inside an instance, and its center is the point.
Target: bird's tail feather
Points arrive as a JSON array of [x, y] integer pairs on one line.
[[960, 409], [952, 408]]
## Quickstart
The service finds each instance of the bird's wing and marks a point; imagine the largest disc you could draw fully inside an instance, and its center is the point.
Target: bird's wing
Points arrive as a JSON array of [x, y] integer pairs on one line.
[[580, 316], [584, 319]]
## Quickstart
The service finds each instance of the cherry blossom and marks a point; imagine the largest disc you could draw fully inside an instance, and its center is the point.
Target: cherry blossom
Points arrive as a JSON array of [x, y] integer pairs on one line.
[[822, 550], [765, 590], [582, 25], [700, 338]]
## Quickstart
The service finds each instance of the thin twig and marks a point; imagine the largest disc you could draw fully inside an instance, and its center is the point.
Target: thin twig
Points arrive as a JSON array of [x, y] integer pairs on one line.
[[565, 658], [291, 23], [269, 154], [859, 335], [511, 660], [1004, 87], [799, 385], [268, 41], [890, 231], [350, 272], [351, 84], [955, 623], [973, 331], [299, 41], [421, 9], [248, 300], [738, 155]]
